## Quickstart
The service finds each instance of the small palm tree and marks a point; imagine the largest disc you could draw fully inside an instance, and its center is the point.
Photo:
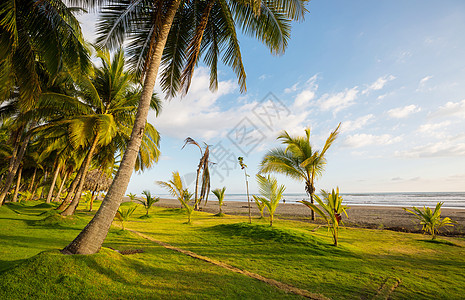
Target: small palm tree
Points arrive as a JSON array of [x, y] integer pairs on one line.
[[260, 205], [176, 188], [271, 193], [124, 214], [148, 201], [219, 193], [330, 210], [132, 196], [431, 220]]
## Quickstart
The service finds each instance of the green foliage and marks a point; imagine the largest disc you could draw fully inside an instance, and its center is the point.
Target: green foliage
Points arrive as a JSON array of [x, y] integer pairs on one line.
[[260, 205], [330, 210], [176, 188], [431, 220], [219, 193], [25, 196], [123, 215], [271, 193], [132, 196], [148, 201]]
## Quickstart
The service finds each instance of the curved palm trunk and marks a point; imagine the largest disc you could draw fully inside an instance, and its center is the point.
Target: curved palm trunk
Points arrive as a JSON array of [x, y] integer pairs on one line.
[[14, 168], [18, 183], [92, 236], [61, 187], [52, 185], [85, 166], [71, 189]]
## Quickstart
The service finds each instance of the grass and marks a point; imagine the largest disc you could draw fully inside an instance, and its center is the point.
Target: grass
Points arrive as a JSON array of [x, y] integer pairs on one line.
[[367, 264]]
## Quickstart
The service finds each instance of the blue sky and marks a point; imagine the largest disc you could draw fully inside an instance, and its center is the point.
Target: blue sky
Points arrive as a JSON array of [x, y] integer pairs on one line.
[[393, 72]]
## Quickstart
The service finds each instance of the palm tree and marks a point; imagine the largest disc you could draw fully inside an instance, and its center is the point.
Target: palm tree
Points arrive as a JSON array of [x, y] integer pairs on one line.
[[299, 160], [148, 201], [271, 193], [330, 210], [431, 220], [202, 168], [124, 214], [103, 112], [176, 188], [219, 193], [176, 34], [37, 31], [36, 37]]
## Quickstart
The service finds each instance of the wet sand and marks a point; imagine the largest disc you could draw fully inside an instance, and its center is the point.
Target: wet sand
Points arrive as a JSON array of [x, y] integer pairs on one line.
[[380, 217]]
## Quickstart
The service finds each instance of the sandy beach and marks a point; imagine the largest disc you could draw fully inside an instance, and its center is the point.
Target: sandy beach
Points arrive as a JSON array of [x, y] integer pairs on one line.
[[378, 217]]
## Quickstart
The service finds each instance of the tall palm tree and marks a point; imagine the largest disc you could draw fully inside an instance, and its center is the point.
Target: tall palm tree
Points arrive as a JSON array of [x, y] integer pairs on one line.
[[299, 160], [176, 34], [202, 168]]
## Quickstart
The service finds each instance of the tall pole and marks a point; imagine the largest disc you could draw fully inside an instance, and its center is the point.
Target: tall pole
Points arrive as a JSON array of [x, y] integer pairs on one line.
[[243, 167]]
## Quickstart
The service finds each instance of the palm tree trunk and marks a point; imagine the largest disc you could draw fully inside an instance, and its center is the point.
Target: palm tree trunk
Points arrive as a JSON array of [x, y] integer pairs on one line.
[[31, 185], [85, 166], [92, 236], [18, 183], [196, 207], [43, 184], [14, 167], [61, 187], [52, 185], [71, 189]]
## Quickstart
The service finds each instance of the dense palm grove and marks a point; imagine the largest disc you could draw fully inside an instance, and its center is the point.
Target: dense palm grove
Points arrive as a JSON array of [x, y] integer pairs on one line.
[[62, 117]]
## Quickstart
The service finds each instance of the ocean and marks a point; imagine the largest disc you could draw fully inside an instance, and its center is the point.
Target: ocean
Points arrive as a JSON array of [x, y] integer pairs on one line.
[[451, 200]]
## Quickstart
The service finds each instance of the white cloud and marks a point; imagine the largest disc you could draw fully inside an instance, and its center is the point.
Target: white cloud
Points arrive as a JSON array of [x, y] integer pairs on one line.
[[338, 101], [378, 84], [456, 109], [422, 83], [430, 128], [291, 89], [403, 112], [356, 124], [444, 148], [306, 95], [362, 140], [264, 76]]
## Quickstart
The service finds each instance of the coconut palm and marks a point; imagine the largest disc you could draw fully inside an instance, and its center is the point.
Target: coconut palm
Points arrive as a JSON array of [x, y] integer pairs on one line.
[[330, 210], [431, 220], [299, 160], [219, 193], [270, 192], [175, 34], [202, 168], [148, 201], [176, 189]]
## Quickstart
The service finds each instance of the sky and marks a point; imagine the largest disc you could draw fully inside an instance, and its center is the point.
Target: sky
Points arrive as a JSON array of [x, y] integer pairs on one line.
[[391, 72]]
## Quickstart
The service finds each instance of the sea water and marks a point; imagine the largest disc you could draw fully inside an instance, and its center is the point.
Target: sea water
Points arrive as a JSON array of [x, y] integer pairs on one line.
[[450, 199]]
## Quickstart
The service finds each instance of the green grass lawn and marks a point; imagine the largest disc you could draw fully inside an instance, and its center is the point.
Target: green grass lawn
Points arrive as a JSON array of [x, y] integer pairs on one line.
[[365, 265]]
